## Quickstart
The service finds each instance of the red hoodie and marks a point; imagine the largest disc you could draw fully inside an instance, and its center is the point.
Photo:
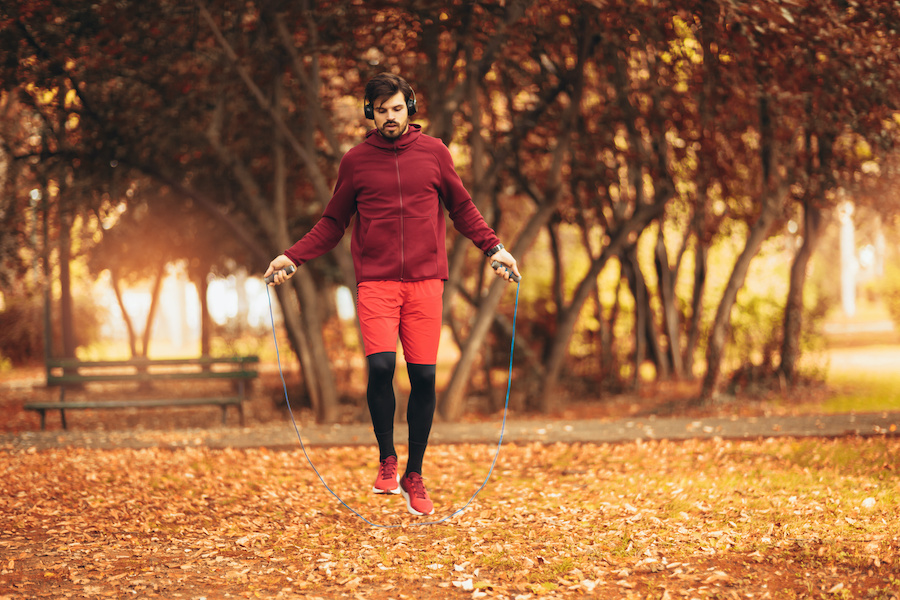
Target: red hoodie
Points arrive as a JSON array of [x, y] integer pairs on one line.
[[396, 187]]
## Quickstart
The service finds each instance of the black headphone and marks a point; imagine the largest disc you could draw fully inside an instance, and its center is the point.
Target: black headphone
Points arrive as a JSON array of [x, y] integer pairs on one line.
[[369, 110]]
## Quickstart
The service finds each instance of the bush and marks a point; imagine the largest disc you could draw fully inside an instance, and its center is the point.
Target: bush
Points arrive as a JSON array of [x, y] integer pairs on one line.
[[22, 330], [22, 327]]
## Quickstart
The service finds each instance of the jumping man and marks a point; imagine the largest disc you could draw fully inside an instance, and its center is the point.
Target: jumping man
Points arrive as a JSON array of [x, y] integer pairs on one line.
[[397, 182]]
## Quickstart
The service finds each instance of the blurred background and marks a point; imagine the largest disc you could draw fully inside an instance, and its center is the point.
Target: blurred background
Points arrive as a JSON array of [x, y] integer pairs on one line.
[[702, 195]]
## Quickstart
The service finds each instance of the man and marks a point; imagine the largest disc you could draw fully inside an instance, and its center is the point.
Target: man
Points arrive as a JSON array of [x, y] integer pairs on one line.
[[397, 183]]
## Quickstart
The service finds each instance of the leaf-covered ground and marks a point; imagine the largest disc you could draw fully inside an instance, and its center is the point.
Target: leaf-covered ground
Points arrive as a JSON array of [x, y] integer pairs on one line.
[[812, 518]]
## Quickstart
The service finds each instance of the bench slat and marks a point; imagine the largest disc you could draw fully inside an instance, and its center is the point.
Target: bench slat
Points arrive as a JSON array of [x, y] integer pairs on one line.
[[155, 403], [141, 377], [72, 363]]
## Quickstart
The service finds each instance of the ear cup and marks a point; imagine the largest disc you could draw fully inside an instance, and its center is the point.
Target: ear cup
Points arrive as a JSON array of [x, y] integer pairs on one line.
[[368, 111]]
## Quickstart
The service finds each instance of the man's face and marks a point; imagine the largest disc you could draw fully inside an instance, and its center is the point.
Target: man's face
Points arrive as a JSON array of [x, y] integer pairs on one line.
[[391, 115]]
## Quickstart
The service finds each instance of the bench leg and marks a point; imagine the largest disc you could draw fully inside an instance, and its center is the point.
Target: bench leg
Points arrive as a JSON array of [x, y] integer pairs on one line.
[[43, 419], [62, 412], [240, 407]]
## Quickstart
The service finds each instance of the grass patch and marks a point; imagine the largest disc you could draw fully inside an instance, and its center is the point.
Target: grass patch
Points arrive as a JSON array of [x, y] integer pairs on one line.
[[864, 380]]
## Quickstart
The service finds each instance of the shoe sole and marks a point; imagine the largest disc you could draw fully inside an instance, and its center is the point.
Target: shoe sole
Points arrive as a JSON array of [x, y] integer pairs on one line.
[[396, 490], [409, 507]]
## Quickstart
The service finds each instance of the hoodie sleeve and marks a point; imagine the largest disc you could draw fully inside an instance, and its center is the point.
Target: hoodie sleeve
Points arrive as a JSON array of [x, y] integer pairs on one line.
[[462, 210], [330, 228]]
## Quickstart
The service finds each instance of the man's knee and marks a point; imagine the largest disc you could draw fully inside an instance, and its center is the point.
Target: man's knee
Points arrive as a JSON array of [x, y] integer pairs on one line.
[[421, 375], [381, 365]]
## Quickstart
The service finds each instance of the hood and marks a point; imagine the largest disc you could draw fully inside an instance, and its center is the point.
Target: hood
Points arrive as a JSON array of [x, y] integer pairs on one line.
[[373, 138]]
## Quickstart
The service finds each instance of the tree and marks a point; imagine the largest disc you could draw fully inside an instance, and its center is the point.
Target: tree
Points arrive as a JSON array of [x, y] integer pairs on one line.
[[666, 122], [846, 50]]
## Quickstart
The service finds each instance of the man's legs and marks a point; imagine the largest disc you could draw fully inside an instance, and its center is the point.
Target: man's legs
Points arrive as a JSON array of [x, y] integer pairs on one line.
[[412, 309]]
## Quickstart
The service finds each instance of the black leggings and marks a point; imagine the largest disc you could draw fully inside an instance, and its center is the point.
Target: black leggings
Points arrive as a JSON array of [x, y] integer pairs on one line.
[[419, 411]]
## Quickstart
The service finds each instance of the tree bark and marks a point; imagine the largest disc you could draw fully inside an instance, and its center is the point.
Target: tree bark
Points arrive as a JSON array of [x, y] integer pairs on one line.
[[451, 403], [721, 327], [307, 292], [667, 276], [774, 191], [154, 304], [646, 333], [117, 289], [569, 316], [632, 272], [205, 320], [67, 311], [701, 260], [793, 310]]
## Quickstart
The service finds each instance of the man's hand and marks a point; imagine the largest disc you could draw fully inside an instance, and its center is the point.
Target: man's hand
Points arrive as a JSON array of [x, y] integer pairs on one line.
[[506, 260], [277, 266]]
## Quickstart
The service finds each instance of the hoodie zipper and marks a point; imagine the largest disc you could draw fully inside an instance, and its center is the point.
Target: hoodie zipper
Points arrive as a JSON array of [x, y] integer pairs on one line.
[[400, 193]]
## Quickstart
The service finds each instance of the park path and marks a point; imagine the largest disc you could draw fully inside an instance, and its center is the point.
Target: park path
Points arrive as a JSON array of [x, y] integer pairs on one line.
[[596, 431]]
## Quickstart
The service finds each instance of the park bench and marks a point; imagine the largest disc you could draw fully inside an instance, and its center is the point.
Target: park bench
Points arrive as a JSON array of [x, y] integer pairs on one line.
[[68, 374]]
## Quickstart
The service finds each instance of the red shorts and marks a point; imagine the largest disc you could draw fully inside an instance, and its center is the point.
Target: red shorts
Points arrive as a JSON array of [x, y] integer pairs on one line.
[[410, 309]]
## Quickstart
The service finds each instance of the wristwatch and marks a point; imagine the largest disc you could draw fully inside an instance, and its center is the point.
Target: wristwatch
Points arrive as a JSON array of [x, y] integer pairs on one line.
[[494, 250]]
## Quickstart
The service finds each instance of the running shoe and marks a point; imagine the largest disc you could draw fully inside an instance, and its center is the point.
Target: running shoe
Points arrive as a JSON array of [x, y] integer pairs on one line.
[[387, 481], [413, 489]]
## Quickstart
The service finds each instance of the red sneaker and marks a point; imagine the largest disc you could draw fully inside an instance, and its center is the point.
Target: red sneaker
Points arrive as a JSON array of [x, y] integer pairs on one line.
[[413, 489], [387, 481]]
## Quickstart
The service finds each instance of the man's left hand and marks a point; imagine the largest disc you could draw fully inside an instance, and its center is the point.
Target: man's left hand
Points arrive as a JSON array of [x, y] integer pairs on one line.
[[506, 259]]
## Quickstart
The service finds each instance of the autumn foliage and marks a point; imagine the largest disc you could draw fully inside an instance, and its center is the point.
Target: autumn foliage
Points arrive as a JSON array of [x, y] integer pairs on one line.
[[703, 519]]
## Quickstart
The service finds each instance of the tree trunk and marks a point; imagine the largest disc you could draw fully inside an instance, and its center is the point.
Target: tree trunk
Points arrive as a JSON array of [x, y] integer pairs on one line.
[[305, 332], [151, 314], [722, 323], [708, 102], [793, 310], [568, 318], [701, 260], [132, 337], [317, 360], [67, 312], [667, 276], [646, 333], [609, 366], [451, 403], [774, 191], [205, 320], [632, 273]]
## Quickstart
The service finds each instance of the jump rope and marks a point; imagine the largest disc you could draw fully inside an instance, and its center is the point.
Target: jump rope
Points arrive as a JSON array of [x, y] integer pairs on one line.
[[319, 475]]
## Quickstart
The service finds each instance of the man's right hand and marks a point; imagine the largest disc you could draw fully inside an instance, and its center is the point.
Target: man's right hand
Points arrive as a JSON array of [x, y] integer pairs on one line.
[[277, 266]]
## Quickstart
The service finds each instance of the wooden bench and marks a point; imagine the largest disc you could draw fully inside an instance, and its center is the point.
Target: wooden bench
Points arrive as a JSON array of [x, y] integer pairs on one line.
[[71, 373]]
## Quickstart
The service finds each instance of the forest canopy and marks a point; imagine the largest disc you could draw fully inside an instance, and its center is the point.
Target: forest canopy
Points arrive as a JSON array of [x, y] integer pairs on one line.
[[655, 166]]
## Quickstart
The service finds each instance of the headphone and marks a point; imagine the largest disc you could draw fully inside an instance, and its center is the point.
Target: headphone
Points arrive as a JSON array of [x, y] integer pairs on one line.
[[369, 110]]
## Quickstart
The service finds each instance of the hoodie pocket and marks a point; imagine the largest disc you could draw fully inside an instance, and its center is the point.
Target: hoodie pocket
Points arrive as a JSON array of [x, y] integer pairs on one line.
[[420, 248], [380, 253]]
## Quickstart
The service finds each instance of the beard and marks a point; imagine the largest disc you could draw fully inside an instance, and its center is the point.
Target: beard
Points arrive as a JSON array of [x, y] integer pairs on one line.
[[393, 129]]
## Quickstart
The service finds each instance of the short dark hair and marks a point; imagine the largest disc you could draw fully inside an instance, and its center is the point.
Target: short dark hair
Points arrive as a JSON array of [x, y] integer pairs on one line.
[[386, 84]]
